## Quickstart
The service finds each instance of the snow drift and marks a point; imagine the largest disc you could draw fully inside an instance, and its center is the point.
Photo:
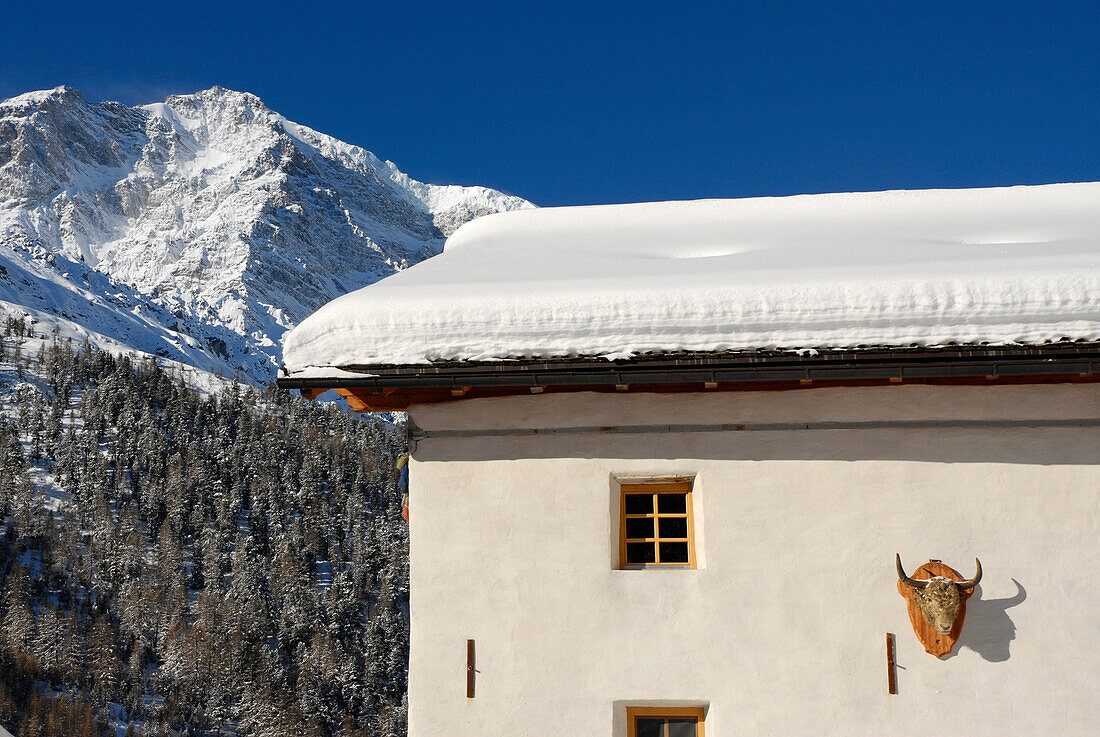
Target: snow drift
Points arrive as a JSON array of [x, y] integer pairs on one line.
[[901, 268]]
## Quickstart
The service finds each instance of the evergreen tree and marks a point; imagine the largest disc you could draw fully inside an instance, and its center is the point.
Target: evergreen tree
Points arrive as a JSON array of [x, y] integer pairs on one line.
[[188, 563]]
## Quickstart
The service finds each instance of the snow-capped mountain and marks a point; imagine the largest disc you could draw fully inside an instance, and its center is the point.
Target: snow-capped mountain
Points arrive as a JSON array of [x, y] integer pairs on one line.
[[203, 227]]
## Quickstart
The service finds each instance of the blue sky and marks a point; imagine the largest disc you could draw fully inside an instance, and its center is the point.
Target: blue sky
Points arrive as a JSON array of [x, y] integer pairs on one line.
[[568, 103]]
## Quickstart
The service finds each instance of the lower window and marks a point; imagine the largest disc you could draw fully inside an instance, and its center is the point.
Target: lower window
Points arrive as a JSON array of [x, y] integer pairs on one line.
[[646, 721]]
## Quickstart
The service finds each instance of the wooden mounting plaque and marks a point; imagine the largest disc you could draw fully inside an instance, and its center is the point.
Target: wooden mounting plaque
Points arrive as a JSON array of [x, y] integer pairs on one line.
[[934, 643]]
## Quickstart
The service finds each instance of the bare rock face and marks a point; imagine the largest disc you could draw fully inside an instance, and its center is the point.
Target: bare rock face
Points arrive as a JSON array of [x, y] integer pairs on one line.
[[203, 227]]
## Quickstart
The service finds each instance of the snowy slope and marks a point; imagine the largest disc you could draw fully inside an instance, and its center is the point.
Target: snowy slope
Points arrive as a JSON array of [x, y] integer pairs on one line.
[[64, 298], [1005, 265], [201, 228]]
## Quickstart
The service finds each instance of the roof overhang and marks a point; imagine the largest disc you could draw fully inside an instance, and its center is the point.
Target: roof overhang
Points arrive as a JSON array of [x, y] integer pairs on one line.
[[387, 388]]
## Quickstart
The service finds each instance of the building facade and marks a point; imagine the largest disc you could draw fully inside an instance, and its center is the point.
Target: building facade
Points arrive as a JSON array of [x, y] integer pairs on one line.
[[797, 516]]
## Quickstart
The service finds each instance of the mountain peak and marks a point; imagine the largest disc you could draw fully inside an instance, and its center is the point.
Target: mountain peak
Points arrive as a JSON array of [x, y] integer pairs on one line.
[[37, 97], [222, 95], [202, 227]]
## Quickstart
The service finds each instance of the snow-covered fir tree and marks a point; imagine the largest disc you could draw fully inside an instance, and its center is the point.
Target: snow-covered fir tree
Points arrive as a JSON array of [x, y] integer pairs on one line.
[[189, 564]]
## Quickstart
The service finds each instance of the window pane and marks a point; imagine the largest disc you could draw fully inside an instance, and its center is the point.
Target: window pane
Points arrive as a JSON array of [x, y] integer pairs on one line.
[[639, 553], [674, 552], [639, 527], [639, 503], [675, 503], [649, 727], [674, 527], [681, 727]]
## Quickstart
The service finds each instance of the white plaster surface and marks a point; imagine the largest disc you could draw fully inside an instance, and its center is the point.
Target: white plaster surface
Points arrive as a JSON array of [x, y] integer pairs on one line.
[[782, 630]]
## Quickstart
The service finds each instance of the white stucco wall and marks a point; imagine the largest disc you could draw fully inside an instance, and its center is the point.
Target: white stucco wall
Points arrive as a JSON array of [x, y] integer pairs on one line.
[[782, 629]]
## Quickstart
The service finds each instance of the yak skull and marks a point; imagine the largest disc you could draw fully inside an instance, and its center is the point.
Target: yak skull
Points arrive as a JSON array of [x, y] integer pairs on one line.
[[939, 598]]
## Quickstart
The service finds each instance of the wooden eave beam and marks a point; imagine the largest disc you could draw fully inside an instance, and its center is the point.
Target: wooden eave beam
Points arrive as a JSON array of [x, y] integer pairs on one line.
[[398, 399], [393, 388], [369, 400]]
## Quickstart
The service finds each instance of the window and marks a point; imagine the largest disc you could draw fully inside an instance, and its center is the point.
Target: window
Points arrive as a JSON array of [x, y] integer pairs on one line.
[[656, 529], [664, 722]]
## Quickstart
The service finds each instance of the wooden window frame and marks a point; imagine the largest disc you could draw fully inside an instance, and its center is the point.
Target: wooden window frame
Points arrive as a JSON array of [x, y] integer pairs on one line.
[[666, 712], [656, 488]]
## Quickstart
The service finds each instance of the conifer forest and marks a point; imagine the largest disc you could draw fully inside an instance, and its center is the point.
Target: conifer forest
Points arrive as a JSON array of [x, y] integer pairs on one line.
[[177, 562]]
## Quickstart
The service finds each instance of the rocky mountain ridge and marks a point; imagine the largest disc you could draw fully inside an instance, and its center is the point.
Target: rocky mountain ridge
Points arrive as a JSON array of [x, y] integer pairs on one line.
[[201, 228]]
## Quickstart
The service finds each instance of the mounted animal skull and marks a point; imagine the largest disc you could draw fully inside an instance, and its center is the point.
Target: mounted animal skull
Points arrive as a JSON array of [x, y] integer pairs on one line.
[[939, 598]]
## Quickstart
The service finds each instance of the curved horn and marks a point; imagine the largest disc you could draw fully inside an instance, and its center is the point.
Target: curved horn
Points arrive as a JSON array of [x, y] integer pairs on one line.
[[905, 579], [964, 585]]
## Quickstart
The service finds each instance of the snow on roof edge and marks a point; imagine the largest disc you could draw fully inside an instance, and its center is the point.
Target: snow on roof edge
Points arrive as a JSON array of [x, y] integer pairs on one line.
[[364, 371]]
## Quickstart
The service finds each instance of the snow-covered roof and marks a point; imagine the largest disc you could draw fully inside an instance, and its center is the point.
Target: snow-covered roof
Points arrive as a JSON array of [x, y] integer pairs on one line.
[[1006, 265]]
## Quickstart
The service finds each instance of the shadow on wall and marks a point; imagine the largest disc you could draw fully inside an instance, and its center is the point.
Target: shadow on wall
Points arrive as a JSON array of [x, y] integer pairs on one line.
[[988, 630], [1033, 445]]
